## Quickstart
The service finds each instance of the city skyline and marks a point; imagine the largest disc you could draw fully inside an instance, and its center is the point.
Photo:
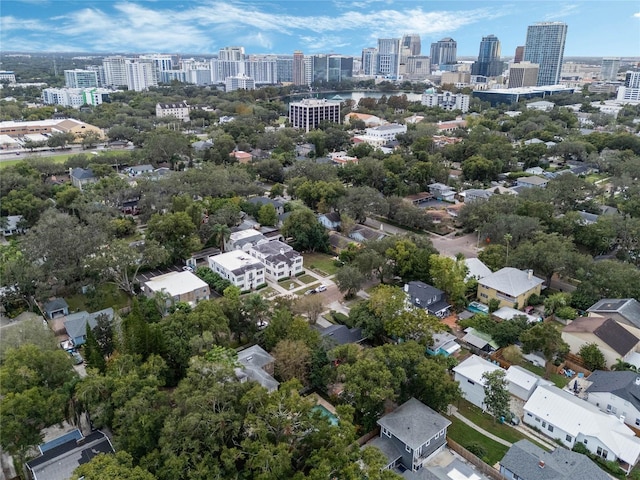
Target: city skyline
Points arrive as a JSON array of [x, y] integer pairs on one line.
[[205, 26]]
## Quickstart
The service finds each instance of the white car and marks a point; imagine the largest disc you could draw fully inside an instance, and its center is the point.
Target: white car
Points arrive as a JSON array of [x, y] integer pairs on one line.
[[321, 288]]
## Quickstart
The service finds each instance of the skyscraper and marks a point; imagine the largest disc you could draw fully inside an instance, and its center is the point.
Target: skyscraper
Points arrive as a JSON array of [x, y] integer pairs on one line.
[[444, 52], [631, 89], [298, 68], [545, 46], [519, 54], [523, 74], [369, 61], [412, 42], [609, 69], [78, 78], [389, 57], [489, 63]]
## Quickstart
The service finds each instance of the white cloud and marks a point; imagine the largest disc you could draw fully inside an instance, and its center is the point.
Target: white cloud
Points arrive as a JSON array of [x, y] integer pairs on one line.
[[636, 15], [198, 27], [562, 12]]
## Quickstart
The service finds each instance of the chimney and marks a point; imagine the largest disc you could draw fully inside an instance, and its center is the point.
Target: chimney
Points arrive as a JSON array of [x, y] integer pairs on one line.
[[541, 463], [529, 274], [406, 288]]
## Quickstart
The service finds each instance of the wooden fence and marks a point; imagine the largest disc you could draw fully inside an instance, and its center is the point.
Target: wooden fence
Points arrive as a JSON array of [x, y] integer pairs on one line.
[[485, 469]]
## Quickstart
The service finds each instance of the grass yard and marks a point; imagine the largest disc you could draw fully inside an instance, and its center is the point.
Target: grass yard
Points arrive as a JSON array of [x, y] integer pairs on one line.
[[485, 421], [63, 156], [105, 296], [321, 263], [465, 436], [559, 380], [306, 279]]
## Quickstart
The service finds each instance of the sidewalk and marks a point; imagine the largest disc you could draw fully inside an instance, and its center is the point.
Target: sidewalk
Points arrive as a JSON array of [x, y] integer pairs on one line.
[[458, 415]]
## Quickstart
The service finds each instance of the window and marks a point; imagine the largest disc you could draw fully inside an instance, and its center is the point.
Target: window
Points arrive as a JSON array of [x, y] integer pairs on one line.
[[637, 422], [550, 428], [386, 432], [544, 424], [608, 408], [601, 452], [537, 420], [407, 448], [585, 441], [529, 415], [568, 438], [471, 382]]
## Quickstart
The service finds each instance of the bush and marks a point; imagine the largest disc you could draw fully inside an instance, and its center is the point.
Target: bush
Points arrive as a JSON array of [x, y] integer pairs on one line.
[[566, 313], [494, 304], [534, 300], [477, 449], [341, 318]]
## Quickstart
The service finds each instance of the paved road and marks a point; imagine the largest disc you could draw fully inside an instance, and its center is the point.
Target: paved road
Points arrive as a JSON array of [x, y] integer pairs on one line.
[[9, 156]]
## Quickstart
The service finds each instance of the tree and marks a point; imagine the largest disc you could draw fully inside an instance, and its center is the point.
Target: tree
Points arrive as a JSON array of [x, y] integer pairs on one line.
[[496, 395], [307, 232], [176, 232], [220, 234], [90, 139], [92, 352], [111, 467], [60, 139], [592, 357], [547, 254], [165, 146], [267, 215], [415, 324], [434, 386], [292, 360], [449, 275], [121, 261], [311, 306], [546, 338], [359, 202]]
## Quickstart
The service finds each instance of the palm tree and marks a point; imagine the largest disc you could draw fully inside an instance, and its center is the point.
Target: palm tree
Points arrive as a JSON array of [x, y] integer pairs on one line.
[[221, 233], [507, 239]]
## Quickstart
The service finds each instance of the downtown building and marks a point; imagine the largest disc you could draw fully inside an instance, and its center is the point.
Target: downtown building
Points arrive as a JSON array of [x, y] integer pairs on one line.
[[388, 59], [630, 92], [445, 100], [609, 69], [79, 78], [307, 114], [489, 63], [545, 46], [75, 97], [523, 74], [444, 52]]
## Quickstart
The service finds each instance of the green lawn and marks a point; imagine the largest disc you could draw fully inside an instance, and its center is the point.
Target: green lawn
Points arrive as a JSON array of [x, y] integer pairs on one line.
[[306, 279], [320, 263], [465, 436], [559, 380], [62, 157], [105, 296], [484, 420]]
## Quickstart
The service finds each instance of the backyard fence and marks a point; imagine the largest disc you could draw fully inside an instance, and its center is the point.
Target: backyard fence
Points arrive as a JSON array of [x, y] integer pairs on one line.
[[485, 469]]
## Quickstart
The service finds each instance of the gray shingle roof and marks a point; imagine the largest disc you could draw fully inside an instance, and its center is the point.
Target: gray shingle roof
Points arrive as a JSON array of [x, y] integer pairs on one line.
[[511, 281], [625, 385], [413, 423], [76, 323], [609, 331], [629, 308], [340, 334], [55, 305], [524, 458]]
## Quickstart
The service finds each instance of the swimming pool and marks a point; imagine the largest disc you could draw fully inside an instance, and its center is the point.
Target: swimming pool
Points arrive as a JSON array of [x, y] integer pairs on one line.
[[326, 413], [477, 307]]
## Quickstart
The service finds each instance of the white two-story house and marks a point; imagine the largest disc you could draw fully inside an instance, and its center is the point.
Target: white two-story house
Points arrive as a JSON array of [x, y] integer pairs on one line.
[[279, 259], [240, 268]]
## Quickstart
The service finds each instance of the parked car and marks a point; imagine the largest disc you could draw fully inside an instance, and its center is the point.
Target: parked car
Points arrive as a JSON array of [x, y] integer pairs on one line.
[[77, 358], [321, 288], [311, 291], [187, 268]]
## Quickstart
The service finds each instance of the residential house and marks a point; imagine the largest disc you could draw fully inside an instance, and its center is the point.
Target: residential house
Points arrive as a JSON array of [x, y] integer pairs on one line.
[[508, 313], [587, 218], [532, 181], [382, 135], [510, 286], [411, 435], [13, 225], [535, 170], [257, 365], [469, 374], [244, 240], [476, 269], [616, 393], [476, 195], [330, 221], [521, 383], [338, 242], [362, 233], [61, 456], [624, 310], [427, 297], [342, 158], [480, 340], [240, 268], [81, 177], [201, 145], [563, 416], [260, 201], [201, 258], [443, 344], [335, 335], [179, 110], [527, 461], [613, 340], [418, 199], [56, 307], [179, 287], [75, 324], [138, 170], [241, 156], [279, 259], [442, 192]]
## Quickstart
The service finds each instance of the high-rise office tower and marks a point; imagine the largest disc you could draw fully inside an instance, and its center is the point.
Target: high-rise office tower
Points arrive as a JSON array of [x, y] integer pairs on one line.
[[298, 68], [631, 89], [412, 42], [523, 74], [80, 78], [545, 46], [369, 61], [489, 63], [609, 69], [115, 71], [444, 52], [519, 56], [389, 57]]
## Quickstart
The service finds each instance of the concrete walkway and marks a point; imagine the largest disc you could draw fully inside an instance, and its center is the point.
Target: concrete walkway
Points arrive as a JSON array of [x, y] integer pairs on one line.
[[458, 415]]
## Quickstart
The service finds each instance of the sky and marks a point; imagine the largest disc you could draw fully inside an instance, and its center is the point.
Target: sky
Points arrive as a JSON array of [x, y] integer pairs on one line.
[[595, 27]]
